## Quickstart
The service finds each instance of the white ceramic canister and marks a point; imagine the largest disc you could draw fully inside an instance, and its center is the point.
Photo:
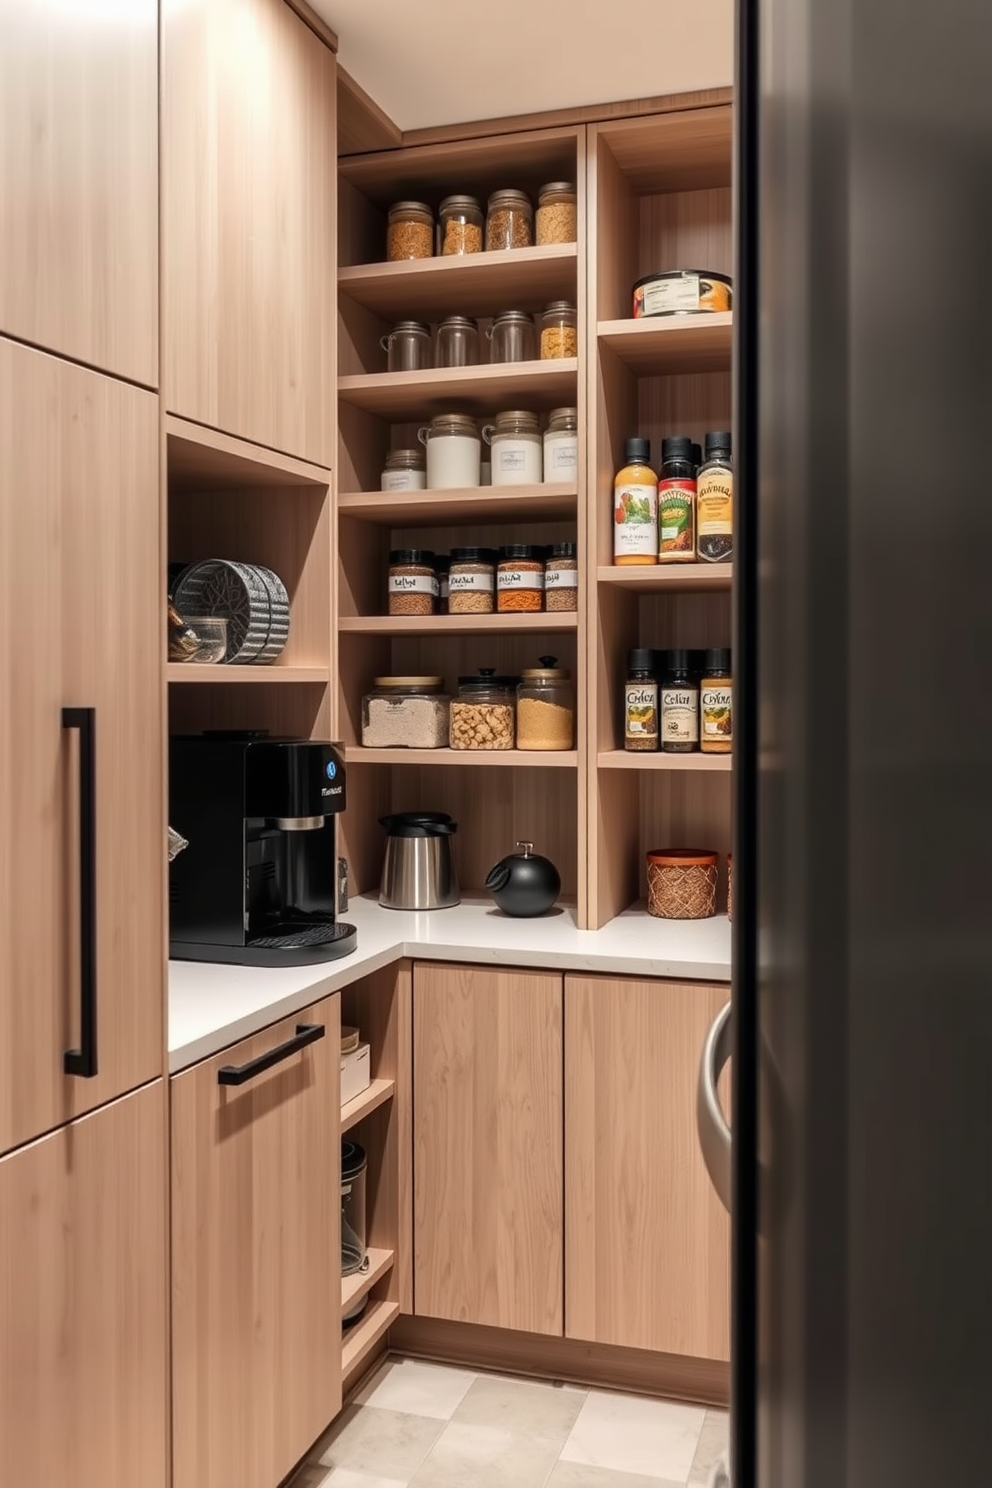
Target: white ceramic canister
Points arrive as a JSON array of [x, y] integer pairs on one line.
[[517, 456], [404, 470], [561, 445], [454, 452]]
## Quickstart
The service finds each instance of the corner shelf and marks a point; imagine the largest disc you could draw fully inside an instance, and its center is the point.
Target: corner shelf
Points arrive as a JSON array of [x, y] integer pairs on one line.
[[469, 504], [624, 759], [181, 673], [406, 395], [377, 1094], [669, 578], [474, 283], [355, 1287], [554, 759], [663, 345], [539, 623], [362, 1337]]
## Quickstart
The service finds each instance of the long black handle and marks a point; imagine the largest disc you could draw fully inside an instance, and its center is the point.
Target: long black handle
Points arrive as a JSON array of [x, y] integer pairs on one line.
[[239, 1074], [82, 1061]]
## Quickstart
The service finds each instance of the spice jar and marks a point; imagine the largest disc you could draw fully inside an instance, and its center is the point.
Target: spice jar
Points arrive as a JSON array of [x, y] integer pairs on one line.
[[561, 578], [557, 213], [640, 702], [517, 455], [404, 470], [453, 451], [405, 713], [561, 445], [412, 586], [472, 581], [442, 564], [545, 707], [679, 706], [519, 579], [682, 883], [715, 501], [483, 714], [459, 225], [716, 704], [509, 221], [457, 342], [559, 337], [410, 231], [513, 337], [677, 502], [407, 347]]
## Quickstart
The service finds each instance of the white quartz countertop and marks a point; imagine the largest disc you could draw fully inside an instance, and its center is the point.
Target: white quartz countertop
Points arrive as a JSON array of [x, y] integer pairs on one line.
[[212, 1005]]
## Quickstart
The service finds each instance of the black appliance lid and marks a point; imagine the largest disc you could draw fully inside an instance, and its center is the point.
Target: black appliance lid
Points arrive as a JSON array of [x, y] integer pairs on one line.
[[353, 1160], [419, 824]]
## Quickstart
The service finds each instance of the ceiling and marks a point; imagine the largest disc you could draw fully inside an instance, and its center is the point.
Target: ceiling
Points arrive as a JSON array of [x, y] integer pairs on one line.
[[428, 62]]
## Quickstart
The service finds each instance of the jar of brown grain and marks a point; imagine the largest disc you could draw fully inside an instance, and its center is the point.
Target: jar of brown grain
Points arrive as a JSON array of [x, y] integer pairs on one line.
[[520, 579], [561, 577], [459, 226], [412, 586], [472, 581], [410, 231], [557, 213], [559, 334], [509, 221], [682, 883]]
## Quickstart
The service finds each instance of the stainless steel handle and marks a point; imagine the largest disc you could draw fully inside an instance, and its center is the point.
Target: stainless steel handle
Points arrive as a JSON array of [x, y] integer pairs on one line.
[[714, 1133]]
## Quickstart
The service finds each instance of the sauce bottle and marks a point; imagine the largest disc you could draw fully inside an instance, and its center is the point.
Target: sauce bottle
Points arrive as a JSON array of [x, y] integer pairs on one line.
[[679, 705], [716, 704], [677, 502], [635, 506], [715, 502]]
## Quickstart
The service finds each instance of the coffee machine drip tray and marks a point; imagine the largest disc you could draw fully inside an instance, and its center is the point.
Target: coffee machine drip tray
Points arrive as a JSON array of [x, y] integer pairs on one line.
[[303, 944]]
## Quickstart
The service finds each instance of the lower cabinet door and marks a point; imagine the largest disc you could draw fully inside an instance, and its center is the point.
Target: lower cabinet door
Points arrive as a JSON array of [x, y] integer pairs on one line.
[[256, 1254], [488, 1164], [83, 1294], [647, 1242]]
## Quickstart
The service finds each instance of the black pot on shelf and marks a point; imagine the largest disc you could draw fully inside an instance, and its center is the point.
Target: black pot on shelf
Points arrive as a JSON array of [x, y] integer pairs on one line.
[[524, 884]]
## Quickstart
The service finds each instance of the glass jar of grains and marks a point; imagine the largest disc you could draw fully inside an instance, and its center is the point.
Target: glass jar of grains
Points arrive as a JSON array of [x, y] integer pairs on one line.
[[513, 337], [459, 226], [457, 342], [559, 336], [404, 470], [472, 581], [515, 440], [483, 714], [405, 713], [520, 579], [557, 214], [454, 451], [509, 221], [410, 231], [545, 707], [561, 445], [412, 587], [561, 578], [407, 347]]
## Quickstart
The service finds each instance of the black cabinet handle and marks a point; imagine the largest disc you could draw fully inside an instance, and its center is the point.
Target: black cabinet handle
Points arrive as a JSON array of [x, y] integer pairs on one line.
[[239, 1074], [82, 1061]]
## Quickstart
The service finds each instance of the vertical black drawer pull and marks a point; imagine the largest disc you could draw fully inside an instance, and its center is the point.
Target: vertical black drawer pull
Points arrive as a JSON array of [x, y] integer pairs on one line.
[[82, 1061], [239, 1074]]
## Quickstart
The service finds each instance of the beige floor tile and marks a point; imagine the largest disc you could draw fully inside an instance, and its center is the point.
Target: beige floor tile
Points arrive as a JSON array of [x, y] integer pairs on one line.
[[712, 1441], [633, 1434], [473, 1456], [574, 1475], [417, 1389], [346, 1477], [386, 1443], [526, 1407]]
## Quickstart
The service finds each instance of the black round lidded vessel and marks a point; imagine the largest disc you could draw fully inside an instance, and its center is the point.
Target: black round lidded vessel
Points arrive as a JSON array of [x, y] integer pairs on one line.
[[524, 884]]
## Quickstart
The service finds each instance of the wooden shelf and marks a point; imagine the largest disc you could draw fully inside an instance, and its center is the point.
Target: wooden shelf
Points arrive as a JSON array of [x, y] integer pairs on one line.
[[469, 284], [622, 759], [354, 1288], [669, 578], [662, 345], [406, 395], [362, 1337], [554, 759], [469, 505], [199, 458], [182, 672], [452, 625], [688, 150], [378, 1093]]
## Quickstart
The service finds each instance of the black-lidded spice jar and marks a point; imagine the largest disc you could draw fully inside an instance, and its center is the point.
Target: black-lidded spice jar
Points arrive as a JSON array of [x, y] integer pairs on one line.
[[640, 702], [679, 705], [412, 587]]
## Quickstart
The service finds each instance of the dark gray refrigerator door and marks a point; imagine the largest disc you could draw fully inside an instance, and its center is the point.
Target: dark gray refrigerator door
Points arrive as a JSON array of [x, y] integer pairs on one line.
[[863, 983]]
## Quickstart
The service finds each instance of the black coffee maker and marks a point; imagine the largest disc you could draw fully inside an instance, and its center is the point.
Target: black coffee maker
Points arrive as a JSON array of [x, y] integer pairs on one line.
[[257, 884]]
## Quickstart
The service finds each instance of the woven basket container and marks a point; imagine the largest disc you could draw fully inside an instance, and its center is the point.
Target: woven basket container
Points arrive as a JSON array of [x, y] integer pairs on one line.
[[682, 883]]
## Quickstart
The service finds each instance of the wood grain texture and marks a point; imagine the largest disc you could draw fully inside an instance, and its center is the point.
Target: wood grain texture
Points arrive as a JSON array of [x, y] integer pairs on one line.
[[685, 150], [527, 158], [647, 1242], [83, 1316], [79, 182], [655, 345], [80, 625], [480, 284], [248, 204], [202, 459], [488, 1147], [300, 710], [362, 124], [256, 1262], [473, 504]]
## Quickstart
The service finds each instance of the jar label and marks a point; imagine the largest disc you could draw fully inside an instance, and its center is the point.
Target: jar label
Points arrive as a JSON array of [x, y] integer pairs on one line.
[[412, 584], [668, 295], [561, 578], [404, 480], [641, 710], [715, 515], [676, 500], [680, 715], [716, 707], [462, 583], [508, 458], [561, 455], [635, 521], [521, 578]]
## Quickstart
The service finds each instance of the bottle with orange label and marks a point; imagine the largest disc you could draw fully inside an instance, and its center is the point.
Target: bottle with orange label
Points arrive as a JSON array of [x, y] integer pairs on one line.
[[677, 502], [635, 506]]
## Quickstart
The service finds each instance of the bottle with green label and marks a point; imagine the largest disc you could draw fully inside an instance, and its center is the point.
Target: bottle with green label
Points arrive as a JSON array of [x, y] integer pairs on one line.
[[677, 502]]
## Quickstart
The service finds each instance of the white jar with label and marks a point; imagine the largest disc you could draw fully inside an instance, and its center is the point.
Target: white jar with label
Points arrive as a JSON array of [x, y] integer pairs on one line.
[[517, 457], [561, 446], [404, 470], [454, 452]]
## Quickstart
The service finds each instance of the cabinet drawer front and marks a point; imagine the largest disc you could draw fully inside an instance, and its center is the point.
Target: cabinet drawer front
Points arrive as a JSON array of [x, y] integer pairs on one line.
[[256, 1255]]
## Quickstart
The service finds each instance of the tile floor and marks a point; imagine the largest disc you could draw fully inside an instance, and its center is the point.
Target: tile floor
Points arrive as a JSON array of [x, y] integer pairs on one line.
[[417, 1425]]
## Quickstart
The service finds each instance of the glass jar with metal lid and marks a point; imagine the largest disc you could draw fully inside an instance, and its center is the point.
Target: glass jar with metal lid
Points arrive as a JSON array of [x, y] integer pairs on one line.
[[520, 579], [561, 577], [483, 713], [557, 213], [545, 707], [405, 713], [559, 333], [472, 581], [404, 470], [515, 440], [459, 226], [513, 338], [561, 445], [410, 231], [407, 347], [509, 221], [454, 451], [457, 342]]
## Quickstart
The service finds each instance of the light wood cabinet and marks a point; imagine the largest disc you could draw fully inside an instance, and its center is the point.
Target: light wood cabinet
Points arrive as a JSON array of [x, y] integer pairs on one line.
[[488, 1164], [83, 1298], [79, 182], [248, 204], [80, 627], [647, 1243], [256, 1254]]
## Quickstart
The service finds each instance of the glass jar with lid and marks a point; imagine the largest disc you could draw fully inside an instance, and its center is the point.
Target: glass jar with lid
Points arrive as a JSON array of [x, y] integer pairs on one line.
[[405, 713], [459, 226], [561, 577], [410, 231], [520, 579], [509, 221], [454, 451], [412, 587], [404, 470], [513, 337], [483, 714], [546, 707], [515, 440], [561, 445], [457, 343], [557, 213], [559, 331], [472, 581], [407, 347]]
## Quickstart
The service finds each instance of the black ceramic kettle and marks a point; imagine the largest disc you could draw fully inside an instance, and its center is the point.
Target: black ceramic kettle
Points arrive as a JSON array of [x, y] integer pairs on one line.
[[523, 883]]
